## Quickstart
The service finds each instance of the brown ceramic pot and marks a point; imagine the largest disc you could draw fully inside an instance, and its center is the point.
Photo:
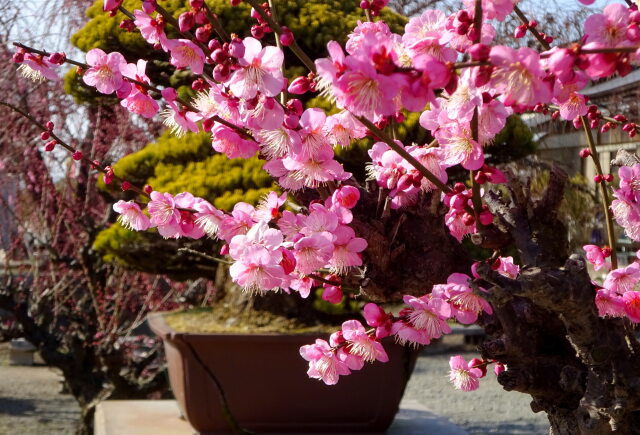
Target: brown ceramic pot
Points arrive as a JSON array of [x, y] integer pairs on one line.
[[267, 388]]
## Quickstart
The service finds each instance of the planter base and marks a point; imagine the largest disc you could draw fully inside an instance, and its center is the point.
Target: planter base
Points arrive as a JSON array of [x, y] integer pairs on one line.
[[267, 388]]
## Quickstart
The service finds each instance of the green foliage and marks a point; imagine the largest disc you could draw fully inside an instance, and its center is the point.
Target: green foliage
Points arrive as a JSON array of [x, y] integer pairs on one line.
[[175, 165], [514, 142], [113, 242]]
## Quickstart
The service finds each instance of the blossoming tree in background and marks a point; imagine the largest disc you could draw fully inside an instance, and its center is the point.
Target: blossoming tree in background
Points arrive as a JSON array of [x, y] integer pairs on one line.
[[554, 334]]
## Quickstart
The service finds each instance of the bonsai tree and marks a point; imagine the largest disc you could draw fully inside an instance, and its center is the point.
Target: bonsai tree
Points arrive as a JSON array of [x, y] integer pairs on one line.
[[555, 334]]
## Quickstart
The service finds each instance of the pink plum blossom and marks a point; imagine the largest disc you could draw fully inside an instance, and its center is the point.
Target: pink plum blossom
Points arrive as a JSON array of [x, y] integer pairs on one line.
[[377, 318], [424, 320], [131, 217], [462, 376], [631, 302], [507, 268], [519, 76], [38, 68], [229, 142], [362, 344], [465, 305], [623, 279], [323, 363], [313, 252], [180, 120], [608, 28], [342, 128], [347, 248], [332, 293], [152, 30], [104, 73], [595, 256], [186, 54], [258, 270], [260, 71], [609, 303]]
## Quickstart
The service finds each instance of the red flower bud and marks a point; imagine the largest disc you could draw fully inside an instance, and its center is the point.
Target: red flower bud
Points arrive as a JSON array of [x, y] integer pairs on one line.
[[608, 178], [125, 186], [520, 31], [49, 146], [77, 155], [598, 178], [286, 38], [147, 189], [45, 135]]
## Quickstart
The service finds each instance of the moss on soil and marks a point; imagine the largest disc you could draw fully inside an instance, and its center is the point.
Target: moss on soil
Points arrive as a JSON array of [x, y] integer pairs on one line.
[[208, 320]]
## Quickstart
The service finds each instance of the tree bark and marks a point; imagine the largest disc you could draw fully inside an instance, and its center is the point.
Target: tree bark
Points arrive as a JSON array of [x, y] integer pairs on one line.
[[581, 369]]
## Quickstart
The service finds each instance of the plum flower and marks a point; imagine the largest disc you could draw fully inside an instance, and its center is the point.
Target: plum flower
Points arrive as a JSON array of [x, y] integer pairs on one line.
[[364, 92], [260, 71], [347, 248], [104, 73], [227, 141], [323, 362], [179, 121], [38, 68], [609, 303], [152, 30], [258, 269], [423, 320], [462, 376], [631, 302], [186, 54], [507, 268], [610, 27], [361, 344], [623, 279], [465, 305], [595, 256], [519, 76], [131, 217]]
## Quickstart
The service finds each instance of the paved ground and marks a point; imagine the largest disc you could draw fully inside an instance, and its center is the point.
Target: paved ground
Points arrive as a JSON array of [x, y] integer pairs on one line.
[[30, 403], [489, 410]]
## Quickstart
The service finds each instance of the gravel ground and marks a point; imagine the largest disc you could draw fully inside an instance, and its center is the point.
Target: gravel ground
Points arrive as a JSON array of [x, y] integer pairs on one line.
[[29, 400], [488, 410]]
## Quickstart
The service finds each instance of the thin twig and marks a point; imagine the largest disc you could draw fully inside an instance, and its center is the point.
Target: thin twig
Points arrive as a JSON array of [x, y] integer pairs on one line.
[[203, 255]]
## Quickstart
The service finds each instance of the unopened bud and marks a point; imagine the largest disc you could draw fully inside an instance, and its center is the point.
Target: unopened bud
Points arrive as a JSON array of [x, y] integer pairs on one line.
[[57, 58], [18, 57], [49, 125], [125, 186], [520, 31], [147, 189], [598, 178], [608, 178], [77, 155], [45, 135], [186, 21], [585, 152], [49, 146], [286, 38]]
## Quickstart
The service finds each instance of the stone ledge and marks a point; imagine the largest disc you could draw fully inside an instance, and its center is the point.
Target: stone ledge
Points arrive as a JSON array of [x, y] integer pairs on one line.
[[162, 417]]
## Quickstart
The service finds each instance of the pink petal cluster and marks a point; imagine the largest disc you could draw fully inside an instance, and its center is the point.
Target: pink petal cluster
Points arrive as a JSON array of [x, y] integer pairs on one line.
[[462, 376], [626, 205], [620, 295]]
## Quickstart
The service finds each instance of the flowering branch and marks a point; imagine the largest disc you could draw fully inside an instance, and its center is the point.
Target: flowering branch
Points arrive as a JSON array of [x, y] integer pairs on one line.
[[405, 155], [294, 47], [77, 155], [606, 202]]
